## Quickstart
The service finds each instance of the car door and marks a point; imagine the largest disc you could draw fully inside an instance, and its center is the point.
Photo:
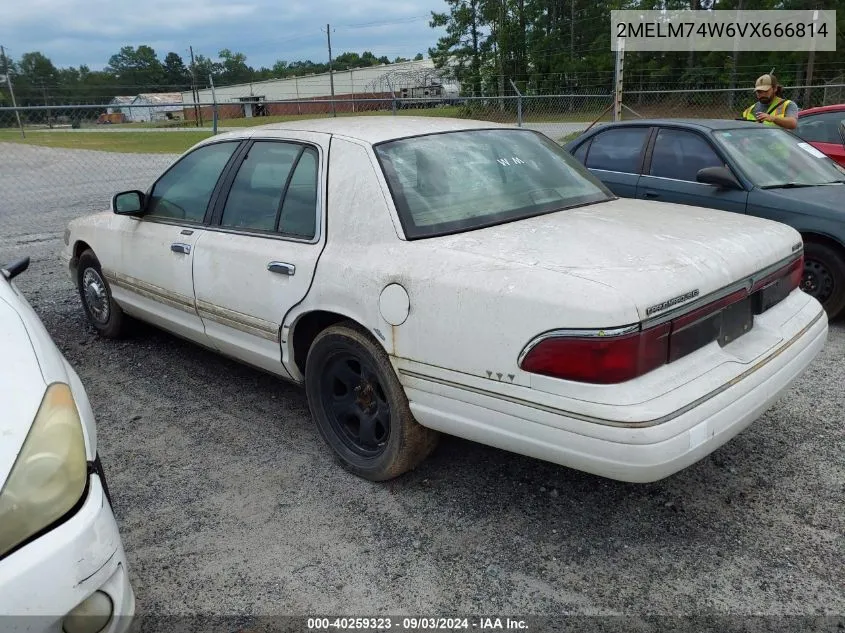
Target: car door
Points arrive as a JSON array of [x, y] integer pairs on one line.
[[155, 272], [259, 257], [671, 168], [822, 132], [615, 156]]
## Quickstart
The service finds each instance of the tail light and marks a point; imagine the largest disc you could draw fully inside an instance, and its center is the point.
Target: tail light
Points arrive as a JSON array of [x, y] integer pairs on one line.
[[600, 358], [614, 356]]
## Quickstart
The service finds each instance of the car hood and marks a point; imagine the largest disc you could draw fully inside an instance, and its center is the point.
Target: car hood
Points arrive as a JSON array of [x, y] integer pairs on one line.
[[22, 385], [823, 201], [650, 252]]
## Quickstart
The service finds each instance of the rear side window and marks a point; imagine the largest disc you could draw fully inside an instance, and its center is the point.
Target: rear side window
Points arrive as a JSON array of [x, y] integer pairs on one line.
[[618, 150], [256, 193], [679, 155], [275, 190], [821, 128]]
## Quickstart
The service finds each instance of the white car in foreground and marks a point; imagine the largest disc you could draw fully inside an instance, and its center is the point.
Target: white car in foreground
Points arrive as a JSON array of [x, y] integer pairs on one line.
[[423, 275], [62, 563]]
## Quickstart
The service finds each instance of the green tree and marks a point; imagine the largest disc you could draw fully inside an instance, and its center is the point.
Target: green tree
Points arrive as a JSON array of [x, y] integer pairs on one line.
[[137, 68], [233, 68], [460, 51], [175, 72]]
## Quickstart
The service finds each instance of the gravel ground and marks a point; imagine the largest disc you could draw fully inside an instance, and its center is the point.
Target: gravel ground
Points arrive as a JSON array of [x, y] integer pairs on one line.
[[229, 503]]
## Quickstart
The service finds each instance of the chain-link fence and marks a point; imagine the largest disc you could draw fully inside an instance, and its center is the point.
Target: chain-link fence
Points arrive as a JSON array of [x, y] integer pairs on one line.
[[80, 155]]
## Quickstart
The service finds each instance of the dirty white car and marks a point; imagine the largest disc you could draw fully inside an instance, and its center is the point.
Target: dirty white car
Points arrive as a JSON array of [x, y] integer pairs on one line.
[[62, 564], [423, 275]]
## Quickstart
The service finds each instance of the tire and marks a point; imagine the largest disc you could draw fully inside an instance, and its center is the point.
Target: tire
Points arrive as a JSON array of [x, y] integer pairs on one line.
[[359, 406], [100, 308], [824, 277]]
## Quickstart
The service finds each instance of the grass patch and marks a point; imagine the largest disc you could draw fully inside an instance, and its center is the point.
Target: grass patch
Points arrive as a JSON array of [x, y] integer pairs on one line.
[[129, 142]]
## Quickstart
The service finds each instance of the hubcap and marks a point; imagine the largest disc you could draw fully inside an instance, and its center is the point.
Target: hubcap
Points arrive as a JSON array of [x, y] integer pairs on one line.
[[817, 280], [356, 405], [96, 296]]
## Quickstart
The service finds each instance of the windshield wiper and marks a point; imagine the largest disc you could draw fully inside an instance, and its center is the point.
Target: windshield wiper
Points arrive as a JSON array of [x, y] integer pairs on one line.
[[790, 185]]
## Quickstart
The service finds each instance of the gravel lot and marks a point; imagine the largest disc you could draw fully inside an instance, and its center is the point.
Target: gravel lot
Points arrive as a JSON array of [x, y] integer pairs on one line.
[[229, 503]]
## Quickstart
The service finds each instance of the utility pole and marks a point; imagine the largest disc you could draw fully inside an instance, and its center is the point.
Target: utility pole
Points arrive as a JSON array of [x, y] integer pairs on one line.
[[331, 74], [11, 90], [195, 92]]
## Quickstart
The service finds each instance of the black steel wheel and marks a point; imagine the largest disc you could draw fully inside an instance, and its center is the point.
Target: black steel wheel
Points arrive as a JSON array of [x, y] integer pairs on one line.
[[359, 406], [100, 308], [824, 277], [355, 404]]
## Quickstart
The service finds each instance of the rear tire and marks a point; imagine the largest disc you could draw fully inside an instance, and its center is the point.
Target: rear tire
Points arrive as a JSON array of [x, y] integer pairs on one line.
[[359, 406], [100, 308], [824, 277]]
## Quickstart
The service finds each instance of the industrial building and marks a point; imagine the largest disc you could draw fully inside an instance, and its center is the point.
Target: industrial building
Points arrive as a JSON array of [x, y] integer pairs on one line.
[[369, 88]]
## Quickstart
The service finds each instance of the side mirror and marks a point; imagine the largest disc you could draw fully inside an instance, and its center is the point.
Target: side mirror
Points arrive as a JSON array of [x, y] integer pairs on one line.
[[128, 203], [719, 176], [15, 268]]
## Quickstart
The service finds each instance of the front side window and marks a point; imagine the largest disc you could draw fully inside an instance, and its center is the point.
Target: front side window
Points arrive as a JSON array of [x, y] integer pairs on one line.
[[184, 191], [679, 155], [459, 181], [580, 154], [776, 158], [618, 150]]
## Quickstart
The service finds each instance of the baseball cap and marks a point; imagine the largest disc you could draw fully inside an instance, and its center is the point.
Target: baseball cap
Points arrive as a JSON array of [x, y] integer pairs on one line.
[[764, 82]]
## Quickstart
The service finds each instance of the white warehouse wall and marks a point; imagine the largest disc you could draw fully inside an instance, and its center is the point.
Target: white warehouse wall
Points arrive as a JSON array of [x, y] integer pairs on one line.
[[346, 82]]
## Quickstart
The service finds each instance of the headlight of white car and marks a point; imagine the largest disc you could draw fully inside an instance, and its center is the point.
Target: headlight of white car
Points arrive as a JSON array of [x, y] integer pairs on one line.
[[50, 473]]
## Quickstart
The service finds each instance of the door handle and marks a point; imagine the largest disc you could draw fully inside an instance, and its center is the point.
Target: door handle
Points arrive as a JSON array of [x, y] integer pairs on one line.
[[179, 247], [650, 195], [282, 268]]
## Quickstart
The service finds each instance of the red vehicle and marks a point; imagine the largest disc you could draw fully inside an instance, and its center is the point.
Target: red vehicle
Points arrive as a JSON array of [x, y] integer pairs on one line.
[[820, 127]]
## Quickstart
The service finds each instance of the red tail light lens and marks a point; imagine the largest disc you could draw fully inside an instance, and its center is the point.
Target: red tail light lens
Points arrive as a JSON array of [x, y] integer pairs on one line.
[[617, 358], [796, 273], [600, 360]]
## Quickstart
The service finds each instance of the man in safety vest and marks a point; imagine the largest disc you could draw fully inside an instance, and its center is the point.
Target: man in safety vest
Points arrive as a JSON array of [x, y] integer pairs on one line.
[[770, 108]]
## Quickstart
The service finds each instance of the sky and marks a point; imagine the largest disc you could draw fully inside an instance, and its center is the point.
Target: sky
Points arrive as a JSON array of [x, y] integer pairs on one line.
[[75, 32]]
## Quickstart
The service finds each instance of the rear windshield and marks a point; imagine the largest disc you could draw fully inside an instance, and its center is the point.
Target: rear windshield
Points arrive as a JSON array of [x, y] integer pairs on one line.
[[459, 181]]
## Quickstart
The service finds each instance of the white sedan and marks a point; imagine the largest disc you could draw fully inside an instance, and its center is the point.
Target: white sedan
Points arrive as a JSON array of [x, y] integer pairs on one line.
[[422, 275], [62, 563]]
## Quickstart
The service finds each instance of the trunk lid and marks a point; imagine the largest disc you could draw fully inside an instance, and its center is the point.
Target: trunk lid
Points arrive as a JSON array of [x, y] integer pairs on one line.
[[650, 252]]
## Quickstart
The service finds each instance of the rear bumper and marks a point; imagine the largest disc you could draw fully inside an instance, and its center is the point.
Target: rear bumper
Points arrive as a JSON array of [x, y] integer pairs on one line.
[[623, 452]]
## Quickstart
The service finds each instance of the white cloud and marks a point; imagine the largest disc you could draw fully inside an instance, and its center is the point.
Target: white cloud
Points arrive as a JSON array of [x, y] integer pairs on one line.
[[73, 32]]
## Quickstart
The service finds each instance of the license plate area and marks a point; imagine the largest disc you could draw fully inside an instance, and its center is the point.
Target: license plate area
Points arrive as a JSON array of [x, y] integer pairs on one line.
[[737, 319]]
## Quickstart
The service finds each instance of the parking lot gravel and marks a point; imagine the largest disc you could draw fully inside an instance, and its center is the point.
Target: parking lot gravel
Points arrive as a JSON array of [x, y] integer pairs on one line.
[[229, 503]]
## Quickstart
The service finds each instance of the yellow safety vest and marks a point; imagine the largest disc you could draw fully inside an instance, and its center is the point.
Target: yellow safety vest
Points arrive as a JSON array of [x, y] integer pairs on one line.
[[776, 108]]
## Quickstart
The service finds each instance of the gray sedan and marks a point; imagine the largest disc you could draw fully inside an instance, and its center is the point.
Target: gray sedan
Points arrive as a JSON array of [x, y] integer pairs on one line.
[[737, 166]]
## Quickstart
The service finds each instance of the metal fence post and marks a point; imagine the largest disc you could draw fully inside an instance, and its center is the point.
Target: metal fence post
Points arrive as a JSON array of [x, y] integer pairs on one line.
[[518, 103], [617, 92], [214, 106], [392, 95]]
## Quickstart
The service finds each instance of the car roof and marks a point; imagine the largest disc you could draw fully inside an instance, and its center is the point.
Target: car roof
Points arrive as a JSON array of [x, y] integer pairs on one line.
[[838, 107], [695, 124], [377, 129]]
